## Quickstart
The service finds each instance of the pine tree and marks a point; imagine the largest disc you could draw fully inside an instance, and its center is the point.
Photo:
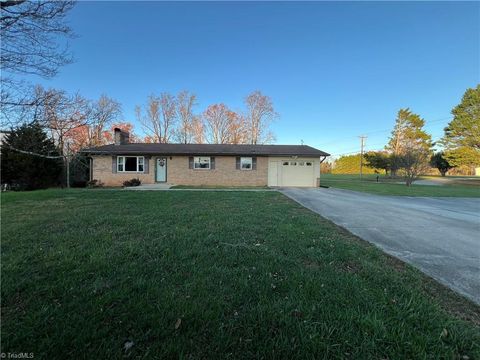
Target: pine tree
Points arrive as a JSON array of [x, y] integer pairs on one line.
[[407, 137], [25, 171], [462, 135]]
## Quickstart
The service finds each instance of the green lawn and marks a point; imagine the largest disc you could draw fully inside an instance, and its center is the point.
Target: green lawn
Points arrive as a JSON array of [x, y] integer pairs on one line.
[[219, 187], [206, 275], [387, 186]]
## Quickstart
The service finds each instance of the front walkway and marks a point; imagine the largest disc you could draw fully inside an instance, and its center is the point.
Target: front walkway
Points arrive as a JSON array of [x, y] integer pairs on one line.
[[157, 186]]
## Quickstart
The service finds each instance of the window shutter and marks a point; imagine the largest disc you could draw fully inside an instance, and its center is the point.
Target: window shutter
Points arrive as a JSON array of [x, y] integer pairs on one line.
[[254, 163], [237, 163], [146, 163], [212, 163], [190, 162], [114, 164]]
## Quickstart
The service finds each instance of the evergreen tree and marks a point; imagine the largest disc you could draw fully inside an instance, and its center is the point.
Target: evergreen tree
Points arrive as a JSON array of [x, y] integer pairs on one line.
[[27, 171], [408, 137], [379, 160], [462, 135], [438, 161]]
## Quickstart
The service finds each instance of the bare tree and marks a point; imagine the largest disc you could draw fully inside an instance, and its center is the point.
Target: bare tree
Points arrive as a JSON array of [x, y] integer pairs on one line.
[[17, 100], [223, 126], [413, 163], [30, 33], [102, 113], [238, 129], [260, 114], [169, 112], [63, 115], [198, 130], [217, 119], [185, 103], [21, 104], [158, 119], [150, 118]]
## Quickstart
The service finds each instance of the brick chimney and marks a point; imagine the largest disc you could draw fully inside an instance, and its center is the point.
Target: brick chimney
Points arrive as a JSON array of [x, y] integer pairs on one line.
[[121, 137]]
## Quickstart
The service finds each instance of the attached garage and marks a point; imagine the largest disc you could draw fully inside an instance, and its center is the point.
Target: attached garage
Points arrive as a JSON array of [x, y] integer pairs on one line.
[[293, 171]]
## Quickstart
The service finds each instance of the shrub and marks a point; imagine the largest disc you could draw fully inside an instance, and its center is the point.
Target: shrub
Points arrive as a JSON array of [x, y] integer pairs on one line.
[[79, 184], [132, 182], [94, 183]]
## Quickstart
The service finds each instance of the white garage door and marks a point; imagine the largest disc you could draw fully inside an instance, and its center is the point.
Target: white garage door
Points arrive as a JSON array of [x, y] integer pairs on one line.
[[291, 173]]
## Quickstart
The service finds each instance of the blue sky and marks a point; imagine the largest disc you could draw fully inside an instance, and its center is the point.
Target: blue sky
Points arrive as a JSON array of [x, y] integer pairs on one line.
[[335, 70]]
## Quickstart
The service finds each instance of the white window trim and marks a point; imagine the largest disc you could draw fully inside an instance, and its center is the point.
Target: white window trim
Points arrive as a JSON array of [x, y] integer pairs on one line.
[[124, 164], [251, 163], [202, 157]]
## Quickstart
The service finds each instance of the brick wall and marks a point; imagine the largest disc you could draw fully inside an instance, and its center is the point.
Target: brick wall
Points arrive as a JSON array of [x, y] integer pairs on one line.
[[102, 170], [224, 173], [178, 172]]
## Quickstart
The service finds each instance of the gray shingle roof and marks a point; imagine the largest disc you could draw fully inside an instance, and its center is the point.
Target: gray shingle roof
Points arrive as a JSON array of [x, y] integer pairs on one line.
[[206, 149]]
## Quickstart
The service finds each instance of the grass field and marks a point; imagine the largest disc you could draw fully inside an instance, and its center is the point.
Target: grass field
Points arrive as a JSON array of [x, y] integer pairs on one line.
[[219, 187], [211, 275], [387, 186]]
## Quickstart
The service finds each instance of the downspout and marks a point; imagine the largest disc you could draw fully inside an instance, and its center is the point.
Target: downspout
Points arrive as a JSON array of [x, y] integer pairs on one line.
[[320, 169], [90, 171]]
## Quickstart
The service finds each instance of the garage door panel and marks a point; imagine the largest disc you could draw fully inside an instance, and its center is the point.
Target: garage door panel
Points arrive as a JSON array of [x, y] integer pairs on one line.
[[292, 172], [296, 175]]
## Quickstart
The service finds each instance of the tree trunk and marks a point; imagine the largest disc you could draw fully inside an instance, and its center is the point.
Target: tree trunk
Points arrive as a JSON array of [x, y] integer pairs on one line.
[[443, 172]]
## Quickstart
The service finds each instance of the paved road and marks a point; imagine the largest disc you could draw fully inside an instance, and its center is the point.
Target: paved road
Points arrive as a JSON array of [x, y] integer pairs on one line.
[[440, 236]]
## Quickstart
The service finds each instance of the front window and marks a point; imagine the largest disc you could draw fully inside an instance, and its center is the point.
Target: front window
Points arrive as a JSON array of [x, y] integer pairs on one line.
[[246, 163], [120, 163], [130, 163], [201, 162]]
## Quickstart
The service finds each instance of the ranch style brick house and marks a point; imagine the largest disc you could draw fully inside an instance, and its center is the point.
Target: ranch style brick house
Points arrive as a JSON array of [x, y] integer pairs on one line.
[[205, 164]]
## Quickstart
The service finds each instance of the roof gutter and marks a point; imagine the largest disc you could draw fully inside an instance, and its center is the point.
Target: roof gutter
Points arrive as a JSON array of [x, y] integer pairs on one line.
[[193, 154]]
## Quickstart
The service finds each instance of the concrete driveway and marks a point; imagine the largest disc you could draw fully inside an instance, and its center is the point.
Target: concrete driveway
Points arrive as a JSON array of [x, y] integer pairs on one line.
[[440, 236]]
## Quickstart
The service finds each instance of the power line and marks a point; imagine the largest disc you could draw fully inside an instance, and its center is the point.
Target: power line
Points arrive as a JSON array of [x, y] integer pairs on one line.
[[35, 154], [355, 149], [366, 149], [380, 131]]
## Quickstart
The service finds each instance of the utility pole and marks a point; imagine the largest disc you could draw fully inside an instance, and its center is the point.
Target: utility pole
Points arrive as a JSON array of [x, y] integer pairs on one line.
[[67, 161], [362, 144]]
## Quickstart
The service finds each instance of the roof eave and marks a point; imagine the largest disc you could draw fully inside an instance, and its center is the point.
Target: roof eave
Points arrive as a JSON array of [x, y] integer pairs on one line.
[[108, 152]]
